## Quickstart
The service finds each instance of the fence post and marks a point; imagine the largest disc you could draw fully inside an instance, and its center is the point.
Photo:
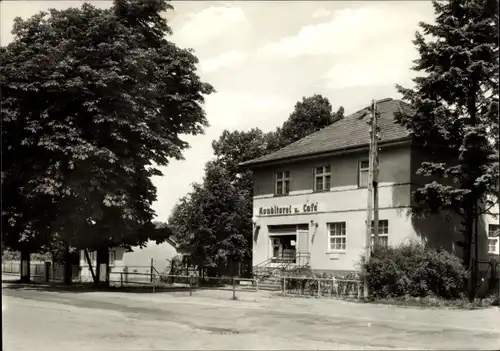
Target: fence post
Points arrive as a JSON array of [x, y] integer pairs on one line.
[[234, 288], [319, 288], [47, 271], [153, 281], [121, 279], [151, 269], [284, 286]]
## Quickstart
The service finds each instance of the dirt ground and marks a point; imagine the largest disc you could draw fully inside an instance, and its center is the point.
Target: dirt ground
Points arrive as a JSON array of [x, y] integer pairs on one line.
[[37, 319]]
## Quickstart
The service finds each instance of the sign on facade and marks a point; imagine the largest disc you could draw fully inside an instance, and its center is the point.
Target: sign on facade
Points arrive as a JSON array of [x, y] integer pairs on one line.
[[288, 210]]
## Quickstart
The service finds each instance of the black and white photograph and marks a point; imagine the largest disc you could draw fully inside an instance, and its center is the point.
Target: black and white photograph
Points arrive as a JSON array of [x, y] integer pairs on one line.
[[250, 175]]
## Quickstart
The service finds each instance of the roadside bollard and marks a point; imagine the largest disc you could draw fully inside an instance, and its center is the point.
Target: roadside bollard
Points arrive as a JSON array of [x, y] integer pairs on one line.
[[234, 288], [319, 288], [47, 272]]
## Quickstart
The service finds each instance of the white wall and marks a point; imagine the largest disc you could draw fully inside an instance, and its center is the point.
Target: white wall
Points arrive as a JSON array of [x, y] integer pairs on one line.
[[345, 202], [138, 260], [161, 254]]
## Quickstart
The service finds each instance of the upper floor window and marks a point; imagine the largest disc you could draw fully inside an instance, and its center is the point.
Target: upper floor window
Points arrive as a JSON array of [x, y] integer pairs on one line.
[[383, 232], [493, 239], [283, 183], [364, 167], [337, 236], [322, 178]]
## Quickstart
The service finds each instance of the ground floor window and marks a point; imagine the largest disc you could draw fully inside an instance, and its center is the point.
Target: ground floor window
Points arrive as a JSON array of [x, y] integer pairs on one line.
[[383, 232], [493, 239], [337, 236]]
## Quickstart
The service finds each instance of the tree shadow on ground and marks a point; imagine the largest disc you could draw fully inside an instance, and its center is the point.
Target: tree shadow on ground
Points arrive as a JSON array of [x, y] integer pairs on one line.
[[87, 287]]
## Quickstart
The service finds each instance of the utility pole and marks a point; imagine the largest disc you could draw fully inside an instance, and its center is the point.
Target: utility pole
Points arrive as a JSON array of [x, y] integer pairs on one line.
[[371, 158], [498, 200], [376, 133]]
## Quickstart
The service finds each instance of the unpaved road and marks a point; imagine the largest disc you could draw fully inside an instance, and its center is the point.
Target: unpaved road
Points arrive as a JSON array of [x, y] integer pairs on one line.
[[43, 320]]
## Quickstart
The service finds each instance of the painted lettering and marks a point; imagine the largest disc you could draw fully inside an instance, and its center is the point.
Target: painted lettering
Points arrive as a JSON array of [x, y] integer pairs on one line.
[[285, 210]]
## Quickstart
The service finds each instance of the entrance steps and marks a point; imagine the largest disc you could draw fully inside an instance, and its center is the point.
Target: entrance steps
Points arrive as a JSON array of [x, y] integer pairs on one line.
[[271, 278], [270, 284]]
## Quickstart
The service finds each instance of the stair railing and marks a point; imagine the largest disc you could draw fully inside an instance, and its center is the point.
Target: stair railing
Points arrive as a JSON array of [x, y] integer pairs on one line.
[[256, 269]]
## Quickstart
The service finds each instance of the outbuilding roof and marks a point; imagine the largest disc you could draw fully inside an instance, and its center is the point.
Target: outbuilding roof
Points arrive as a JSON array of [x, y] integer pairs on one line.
[[349, 132]]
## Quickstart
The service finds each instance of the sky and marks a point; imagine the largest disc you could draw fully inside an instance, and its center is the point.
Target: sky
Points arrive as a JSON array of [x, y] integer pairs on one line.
[[262, 57]]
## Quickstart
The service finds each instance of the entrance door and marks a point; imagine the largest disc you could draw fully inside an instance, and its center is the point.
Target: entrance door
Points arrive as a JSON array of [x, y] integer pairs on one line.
[[276, 243], [289, 243], [283, 248]]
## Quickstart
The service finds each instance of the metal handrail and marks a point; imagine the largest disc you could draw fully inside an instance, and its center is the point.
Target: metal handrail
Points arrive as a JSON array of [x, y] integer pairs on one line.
[[281, 265], [263, 262], [260, 265]]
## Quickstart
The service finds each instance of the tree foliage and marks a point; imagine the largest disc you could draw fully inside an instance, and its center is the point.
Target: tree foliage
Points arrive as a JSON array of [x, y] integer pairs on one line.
[[211, 219], [93, 100], [310, 115], [456, 103], [216, 217]]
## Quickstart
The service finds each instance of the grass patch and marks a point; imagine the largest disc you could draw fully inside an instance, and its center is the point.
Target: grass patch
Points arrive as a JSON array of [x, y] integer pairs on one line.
[[437, 302]]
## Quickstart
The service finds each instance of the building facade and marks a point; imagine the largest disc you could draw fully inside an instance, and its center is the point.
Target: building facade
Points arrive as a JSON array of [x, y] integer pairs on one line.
[[310, 198]]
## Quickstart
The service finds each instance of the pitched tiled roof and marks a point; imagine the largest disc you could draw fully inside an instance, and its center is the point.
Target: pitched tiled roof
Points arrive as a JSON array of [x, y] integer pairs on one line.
[[352, 131]]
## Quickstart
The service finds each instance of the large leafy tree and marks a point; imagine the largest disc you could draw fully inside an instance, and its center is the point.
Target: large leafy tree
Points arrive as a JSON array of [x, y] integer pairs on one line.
[[456, 103], [93, 101], [211, 220], [310, 115], [216, 217]]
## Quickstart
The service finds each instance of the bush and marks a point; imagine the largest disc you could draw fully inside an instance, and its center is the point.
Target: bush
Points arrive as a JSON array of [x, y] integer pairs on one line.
[[414, 270]]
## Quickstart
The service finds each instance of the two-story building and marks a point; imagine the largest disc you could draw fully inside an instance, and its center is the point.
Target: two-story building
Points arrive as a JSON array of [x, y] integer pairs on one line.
[[310, 197]]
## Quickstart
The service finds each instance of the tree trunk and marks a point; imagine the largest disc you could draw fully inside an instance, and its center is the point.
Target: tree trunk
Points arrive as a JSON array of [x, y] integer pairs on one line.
[[470, 206], [475, 266], [25, 266], [468, 235], [89, 263], [467, 254], [68, 267]]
